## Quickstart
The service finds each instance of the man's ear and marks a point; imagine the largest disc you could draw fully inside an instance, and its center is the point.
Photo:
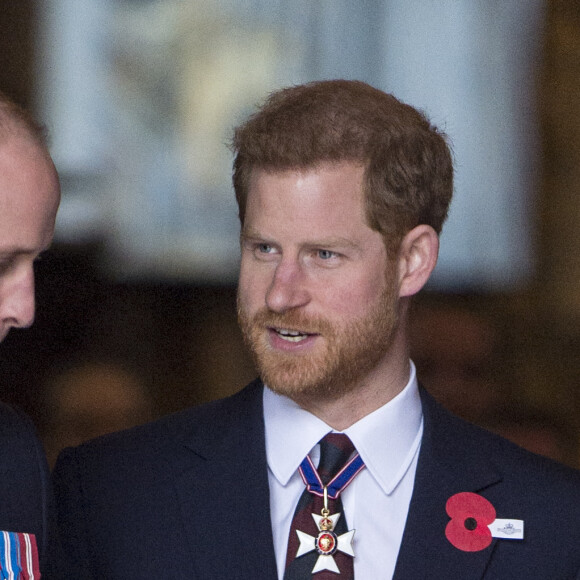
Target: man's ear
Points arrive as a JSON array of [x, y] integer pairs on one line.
[[417, 258]]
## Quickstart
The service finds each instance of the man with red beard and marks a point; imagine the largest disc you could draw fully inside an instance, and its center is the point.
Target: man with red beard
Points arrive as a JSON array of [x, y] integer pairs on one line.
[[335, 463]]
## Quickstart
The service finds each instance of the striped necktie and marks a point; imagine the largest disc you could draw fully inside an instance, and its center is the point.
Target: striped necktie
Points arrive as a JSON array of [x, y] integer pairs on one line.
[[335, 451]]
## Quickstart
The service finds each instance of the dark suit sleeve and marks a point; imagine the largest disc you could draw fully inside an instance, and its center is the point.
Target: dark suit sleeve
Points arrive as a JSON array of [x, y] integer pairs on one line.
[[75, 558], [48, 545], [26, 501]]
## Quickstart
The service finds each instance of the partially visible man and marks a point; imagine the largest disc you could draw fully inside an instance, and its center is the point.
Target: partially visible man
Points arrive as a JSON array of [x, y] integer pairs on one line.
[[335, 462], [29, 199]]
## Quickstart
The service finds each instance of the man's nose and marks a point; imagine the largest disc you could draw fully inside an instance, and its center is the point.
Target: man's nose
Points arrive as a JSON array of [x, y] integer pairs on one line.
[[17, 301], [288, 288]]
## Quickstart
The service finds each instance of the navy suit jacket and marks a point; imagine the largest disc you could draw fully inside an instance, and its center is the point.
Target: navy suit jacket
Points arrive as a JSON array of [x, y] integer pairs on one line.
[[187, 497], [25, 495]]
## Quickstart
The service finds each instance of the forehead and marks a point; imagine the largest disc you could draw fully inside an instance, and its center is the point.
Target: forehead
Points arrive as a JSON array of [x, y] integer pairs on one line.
[[29, 194], [330, 193]]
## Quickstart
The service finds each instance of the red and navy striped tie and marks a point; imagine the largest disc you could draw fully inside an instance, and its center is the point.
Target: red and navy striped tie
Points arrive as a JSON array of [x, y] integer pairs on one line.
[[335, 451]]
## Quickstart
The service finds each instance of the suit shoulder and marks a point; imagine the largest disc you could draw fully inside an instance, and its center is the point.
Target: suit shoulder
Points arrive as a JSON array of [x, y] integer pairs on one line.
[[457, 438], [13, 421], [19, 441], [24, 478], [152, 438], [143, 458], [535, 474], [523, 461]]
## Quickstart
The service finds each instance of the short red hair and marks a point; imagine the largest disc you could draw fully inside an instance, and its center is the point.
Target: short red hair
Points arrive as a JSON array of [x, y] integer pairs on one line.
[[408, 163]]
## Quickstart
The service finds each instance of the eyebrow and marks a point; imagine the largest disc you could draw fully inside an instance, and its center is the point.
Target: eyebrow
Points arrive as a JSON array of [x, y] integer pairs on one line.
[[249, 233], [332, 242], [11, 252], [15, 251]]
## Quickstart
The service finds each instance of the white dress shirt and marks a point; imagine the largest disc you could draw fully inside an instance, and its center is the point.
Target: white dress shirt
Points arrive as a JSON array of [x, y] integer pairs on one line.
[[377, 501]]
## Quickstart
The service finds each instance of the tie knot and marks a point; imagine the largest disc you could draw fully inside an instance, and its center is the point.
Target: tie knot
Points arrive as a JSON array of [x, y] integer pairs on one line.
[[335, 451]]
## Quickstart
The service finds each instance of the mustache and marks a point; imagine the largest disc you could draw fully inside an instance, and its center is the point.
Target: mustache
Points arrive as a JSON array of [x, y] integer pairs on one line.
[[291, 320]]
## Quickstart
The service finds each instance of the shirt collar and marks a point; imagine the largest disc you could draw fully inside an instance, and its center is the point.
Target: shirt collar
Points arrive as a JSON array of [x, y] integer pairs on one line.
[[292, 432]]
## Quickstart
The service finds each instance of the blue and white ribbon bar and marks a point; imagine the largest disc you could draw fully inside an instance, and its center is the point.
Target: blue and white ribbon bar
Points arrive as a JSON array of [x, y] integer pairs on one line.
[[18, 556]]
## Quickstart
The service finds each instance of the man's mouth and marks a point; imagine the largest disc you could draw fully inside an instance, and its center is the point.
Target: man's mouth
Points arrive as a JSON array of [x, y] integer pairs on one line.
[[291, 335]]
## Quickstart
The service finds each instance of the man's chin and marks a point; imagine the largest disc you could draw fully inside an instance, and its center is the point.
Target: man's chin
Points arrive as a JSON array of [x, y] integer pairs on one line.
[[295, 391], [283, 383], [297, 383]]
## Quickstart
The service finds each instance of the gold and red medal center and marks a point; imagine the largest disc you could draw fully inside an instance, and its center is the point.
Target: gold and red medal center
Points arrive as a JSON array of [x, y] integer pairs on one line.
[[326, 543]]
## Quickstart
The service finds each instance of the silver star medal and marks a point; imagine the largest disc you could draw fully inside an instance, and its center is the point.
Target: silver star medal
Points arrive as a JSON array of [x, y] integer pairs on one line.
[[326, 543]]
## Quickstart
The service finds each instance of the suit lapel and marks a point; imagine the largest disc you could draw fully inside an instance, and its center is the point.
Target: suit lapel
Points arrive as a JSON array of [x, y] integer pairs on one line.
[[450, 462], [226, 517], [226, 513]]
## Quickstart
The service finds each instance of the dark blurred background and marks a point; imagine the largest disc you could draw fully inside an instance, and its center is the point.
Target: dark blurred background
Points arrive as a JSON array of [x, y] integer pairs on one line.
[[105, 353]]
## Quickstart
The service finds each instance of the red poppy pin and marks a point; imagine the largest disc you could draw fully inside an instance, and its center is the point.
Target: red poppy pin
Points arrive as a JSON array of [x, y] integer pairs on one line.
[[471, 515], [473, 523]]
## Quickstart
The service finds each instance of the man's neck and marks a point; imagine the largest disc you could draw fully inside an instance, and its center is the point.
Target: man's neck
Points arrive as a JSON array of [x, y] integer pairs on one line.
[[376, 390]]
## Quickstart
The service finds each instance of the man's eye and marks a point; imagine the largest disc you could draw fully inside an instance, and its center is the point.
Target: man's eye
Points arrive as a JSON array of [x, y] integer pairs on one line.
[[265, 248], [326, 254], [5, 266]]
